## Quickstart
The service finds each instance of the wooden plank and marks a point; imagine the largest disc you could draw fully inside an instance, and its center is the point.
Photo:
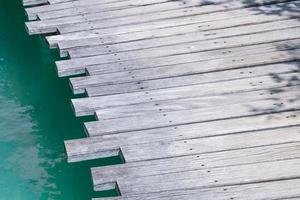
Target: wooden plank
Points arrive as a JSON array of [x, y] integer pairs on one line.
[[87, 106], [217, 177], [154, 78], [114, 37], [94, 11], [183, 103], [73, 66], [162, 149], [289, 189], [98, 13], [34, 2], [148, 48], [165, 17], [65, 4], [65, 1], [94, 88], [179, 65], [187, 47], [150, 120], [193, 9], [54, 40], [109, 145], [145, 21], [59, 1], [245, 155], [33, 12], [200, 161]]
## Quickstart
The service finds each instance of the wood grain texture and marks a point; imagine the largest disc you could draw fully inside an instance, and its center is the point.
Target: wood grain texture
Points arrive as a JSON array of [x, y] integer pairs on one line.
[[202, 178], [199, 98], [95, 147], [88, 105], [289, 189], [67, 67]]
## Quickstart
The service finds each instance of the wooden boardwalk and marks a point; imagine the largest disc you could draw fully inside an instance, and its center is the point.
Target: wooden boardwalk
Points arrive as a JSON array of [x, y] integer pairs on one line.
[[201, 98]]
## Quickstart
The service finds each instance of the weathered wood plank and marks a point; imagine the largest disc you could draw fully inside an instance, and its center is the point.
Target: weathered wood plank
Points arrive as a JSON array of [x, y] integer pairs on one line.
[[96, 88], [87, 106], [185, 62], [216, 177], [59, 1], [98, 13], [109, 145], [73, 66], [245, 155], [144, 79], [165, 17], [188, 47], [150, 120], [148, 48], [289, 189], [54, 40], [33, 12], [183, 103], [34, 2], [113, 36], [94, 11]]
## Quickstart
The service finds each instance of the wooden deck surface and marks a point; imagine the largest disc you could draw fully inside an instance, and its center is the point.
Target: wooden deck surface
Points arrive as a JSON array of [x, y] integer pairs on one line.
[[200, 98]]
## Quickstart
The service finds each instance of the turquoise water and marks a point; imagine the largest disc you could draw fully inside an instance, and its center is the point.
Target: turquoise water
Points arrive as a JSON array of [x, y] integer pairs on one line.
[[35, 118]]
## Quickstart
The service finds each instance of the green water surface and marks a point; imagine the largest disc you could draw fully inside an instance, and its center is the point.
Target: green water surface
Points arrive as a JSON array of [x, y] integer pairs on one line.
[[35, 118]]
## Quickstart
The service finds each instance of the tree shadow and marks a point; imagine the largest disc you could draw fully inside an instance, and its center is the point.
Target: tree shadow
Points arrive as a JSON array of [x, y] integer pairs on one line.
[[290, 8], [287, 80]]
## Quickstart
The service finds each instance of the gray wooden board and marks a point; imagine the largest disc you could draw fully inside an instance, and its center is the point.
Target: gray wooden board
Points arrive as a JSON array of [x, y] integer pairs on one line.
[[92, 89], [162, 149], [252, 152], [34, 2], [148, 48], [33, 12], [192, 31], [83, 3], [163, 18], [67, 67], [204, 24], [287, 189], [149, 120], [96, 13], [83, 22], [223, 176], [188, 47], [54, 40], [165, 74], [182, 63], [108, 5], [59, 1], [87, 106], [183, 103], [42, 2], [109, 145], [115, 37]]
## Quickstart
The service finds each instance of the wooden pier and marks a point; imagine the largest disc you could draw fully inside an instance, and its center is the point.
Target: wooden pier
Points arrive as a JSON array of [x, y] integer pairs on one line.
[[201, 98]]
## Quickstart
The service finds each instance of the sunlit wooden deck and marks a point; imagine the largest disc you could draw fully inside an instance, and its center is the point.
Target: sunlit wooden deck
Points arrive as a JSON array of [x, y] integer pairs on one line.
[[201, 98]]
